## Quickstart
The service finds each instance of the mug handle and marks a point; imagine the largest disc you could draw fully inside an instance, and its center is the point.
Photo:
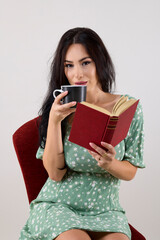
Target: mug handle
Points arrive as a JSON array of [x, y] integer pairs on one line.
[[57, 90]]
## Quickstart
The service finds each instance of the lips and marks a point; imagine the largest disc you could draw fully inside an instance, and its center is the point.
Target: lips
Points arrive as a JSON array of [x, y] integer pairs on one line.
[[81, 83]]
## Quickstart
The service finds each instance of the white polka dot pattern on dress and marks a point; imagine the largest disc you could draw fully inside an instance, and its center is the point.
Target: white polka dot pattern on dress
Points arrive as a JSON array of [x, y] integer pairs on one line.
[[88, 196]]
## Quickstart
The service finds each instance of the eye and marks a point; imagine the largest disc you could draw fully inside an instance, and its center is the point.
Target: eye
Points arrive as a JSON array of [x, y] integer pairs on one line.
[[68, 65], [86, 63]]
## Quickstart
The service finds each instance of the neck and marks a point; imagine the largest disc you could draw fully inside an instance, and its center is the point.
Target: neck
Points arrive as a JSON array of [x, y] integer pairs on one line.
[[96, 96]]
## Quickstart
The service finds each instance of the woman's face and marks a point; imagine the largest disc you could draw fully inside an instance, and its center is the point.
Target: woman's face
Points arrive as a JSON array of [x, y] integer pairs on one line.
[[79, 68]]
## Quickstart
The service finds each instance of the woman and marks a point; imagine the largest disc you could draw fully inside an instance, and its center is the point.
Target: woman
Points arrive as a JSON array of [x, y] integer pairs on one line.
[[77, 202]]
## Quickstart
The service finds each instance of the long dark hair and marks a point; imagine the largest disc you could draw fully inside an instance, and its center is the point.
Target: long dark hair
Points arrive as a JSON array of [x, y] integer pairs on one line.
[[99, 54]]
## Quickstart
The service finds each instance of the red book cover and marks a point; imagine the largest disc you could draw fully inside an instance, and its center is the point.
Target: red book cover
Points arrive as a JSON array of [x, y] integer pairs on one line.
[[90, 125], [123, 123]]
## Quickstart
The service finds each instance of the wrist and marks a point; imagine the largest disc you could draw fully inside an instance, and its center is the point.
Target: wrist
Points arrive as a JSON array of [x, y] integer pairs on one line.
[[53, 122], [110, 166]]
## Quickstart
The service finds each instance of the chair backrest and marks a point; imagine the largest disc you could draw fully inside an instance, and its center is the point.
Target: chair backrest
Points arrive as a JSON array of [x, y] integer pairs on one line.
[[26, 143]]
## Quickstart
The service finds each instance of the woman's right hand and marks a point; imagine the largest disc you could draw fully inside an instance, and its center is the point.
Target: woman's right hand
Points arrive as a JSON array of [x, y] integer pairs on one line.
[[60, 111]]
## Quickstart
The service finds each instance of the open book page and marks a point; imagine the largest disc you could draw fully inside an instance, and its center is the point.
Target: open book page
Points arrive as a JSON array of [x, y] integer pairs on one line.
[[122, 104], [100, 109]]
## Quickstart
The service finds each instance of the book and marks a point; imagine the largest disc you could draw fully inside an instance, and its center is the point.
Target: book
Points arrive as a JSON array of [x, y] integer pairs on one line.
[[95, 124]]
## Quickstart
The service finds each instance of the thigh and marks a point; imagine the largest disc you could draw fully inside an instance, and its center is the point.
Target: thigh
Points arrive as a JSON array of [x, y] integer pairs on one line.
[[107, 236], [73, 234]]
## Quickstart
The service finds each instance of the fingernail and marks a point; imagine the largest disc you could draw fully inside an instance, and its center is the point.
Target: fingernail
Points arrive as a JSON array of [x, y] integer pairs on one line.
[[74, 102]]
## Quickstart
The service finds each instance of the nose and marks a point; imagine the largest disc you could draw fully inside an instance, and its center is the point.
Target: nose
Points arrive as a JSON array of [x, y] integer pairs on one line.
[[78, 72]]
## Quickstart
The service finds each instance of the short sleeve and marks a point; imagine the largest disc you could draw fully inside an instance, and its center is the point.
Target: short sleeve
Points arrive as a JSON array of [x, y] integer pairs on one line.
[[134, 142], [39, 154]]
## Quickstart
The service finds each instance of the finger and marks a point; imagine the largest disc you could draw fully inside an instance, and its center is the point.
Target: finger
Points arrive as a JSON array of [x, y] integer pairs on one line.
[[94, 155], [98, 149], [67, 112], [72, 110], [60, 96], [68, 105], [108, 146]]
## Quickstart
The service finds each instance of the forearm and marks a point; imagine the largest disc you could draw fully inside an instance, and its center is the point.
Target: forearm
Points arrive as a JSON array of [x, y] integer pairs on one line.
[[121, 169], [106, 159], [53, 157]]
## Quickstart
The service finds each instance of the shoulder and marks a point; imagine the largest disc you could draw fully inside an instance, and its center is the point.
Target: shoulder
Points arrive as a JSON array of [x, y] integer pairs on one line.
[[129, 96], [118, 96]]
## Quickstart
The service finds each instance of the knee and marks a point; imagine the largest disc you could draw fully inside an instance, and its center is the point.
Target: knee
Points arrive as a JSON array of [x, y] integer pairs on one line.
[[73, 234]]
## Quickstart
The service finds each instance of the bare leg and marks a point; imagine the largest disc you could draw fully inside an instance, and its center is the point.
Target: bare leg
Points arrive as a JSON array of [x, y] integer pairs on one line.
[[73, 234], [107, 236]]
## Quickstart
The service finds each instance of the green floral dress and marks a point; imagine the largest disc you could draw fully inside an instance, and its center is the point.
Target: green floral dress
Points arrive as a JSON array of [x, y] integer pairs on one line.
[[88, 196]]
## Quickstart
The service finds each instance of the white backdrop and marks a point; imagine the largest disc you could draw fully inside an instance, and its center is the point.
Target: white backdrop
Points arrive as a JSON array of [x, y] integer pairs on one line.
[[30, 31]]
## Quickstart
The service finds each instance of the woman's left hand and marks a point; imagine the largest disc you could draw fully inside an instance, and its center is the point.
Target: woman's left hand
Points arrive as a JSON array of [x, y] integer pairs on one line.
[[105, 158]]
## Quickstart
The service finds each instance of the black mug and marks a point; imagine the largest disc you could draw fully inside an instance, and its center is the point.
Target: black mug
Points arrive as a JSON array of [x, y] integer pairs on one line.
[[75, 93]]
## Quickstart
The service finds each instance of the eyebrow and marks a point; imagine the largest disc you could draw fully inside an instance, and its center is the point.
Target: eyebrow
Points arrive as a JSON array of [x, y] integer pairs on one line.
[[79, 60]]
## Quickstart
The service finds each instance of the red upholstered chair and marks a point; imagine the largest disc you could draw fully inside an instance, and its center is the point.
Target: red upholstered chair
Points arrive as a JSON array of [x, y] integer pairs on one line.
[[26, 143]]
